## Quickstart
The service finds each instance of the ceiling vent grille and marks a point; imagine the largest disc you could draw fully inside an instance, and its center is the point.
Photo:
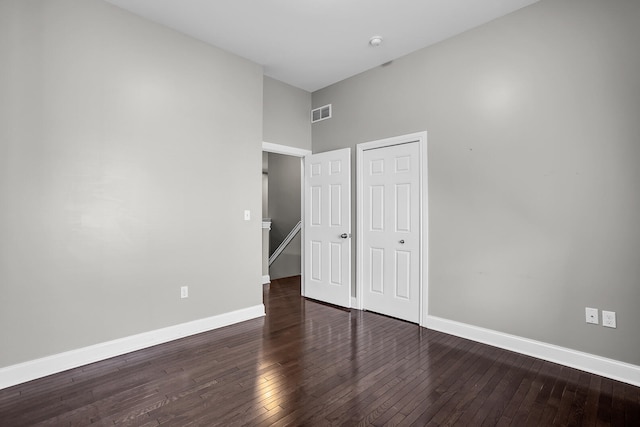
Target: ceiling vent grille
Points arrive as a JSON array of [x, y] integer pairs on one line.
[[321, 113]]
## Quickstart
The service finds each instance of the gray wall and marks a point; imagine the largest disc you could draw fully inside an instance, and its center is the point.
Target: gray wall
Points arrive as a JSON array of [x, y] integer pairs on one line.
[[265, 213], [128, 153], [265, 184], [286, 115], [286, 121], [533, 145], [284, 207]]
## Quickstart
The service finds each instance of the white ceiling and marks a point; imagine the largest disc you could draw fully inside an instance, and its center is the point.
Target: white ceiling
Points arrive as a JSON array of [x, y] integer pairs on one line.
[[314, 43]]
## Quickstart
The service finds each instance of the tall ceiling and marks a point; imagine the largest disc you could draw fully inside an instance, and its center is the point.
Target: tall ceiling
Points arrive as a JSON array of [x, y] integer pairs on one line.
[[311, 44]]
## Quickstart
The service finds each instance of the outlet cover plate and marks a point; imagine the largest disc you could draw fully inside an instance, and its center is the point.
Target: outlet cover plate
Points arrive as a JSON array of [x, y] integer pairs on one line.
[[609, 319], [591, 315], [184, 292]]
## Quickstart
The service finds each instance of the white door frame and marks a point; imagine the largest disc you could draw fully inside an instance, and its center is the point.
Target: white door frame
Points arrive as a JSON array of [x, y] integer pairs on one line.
[[294, 152], [421, 139]]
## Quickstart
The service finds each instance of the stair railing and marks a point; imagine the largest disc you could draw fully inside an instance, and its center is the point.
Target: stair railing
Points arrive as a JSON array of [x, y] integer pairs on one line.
[[285, 242]]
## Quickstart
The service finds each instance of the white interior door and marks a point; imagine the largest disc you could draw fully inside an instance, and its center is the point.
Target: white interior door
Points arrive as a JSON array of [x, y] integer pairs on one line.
[[391, 230], [327, 227]]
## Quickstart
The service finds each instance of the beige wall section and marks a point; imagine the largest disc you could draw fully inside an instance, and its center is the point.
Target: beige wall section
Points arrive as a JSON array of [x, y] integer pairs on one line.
[[128, 153], [286, 115], [534, 181]]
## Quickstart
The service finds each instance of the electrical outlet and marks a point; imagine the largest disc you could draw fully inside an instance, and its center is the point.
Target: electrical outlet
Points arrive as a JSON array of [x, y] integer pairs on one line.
[[591, 315], [609, 319], [247, 215], [184, 292]]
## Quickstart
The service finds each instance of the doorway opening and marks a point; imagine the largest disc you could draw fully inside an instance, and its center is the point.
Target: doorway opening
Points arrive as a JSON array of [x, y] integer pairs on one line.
[[283, 216]]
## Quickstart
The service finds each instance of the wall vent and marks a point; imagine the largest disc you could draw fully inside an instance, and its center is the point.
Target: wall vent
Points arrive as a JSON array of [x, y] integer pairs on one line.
[[321, 113]]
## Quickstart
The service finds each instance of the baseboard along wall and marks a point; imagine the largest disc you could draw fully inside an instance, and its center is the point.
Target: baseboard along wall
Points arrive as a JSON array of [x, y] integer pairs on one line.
[[38, 368], [616, 370]]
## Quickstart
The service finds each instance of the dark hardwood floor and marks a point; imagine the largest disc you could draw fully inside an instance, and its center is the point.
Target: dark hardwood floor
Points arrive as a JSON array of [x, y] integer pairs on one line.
[[311, 364]]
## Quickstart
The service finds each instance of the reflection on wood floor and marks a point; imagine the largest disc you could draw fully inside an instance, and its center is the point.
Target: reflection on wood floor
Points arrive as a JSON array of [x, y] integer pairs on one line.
[[308, 363]]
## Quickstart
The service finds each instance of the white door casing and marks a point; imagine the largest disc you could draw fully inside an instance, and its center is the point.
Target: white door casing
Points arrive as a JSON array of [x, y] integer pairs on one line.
[[390, 227], [327, 227]]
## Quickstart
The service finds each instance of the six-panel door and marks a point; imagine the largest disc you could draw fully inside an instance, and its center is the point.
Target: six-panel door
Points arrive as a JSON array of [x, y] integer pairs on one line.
[[327, 264], [391, 234]]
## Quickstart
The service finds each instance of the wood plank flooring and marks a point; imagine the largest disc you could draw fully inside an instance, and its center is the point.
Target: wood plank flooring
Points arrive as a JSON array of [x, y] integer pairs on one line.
[[311, 364]]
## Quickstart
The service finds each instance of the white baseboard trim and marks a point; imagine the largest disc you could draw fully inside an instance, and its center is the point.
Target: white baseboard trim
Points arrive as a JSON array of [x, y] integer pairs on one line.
[[598, 365], [38, 368], [266, 279]]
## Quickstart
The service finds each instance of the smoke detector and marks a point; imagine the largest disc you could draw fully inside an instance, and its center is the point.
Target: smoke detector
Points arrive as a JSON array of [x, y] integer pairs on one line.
[[375, 41]]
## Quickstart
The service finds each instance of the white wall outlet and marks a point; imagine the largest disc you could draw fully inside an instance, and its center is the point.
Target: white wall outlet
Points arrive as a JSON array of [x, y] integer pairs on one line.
[[184, 292], [247, 215], [609, 319], [591, 315]]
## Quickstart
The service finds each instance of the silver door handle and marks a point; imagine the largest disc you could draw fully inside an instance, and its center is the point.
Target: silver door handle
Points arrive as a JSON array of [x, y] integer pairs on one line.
[[344, 236], [402, 242]]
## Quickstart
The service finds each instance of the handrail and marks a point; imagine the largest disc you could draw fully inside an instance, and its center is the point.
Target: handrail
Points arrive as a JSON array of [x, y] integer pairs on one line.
[[285, 242]]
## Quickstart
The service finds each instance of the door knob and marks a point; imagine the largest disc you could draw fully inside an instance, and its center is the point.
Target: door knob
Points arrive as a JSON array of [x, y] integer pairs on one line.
[[402, 242], [344, 236]]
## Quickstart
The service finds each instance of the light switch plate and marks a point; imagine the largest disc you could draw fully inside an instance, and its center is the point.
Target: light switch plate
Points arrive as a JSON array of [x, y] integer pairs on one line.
[[247, 215]]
